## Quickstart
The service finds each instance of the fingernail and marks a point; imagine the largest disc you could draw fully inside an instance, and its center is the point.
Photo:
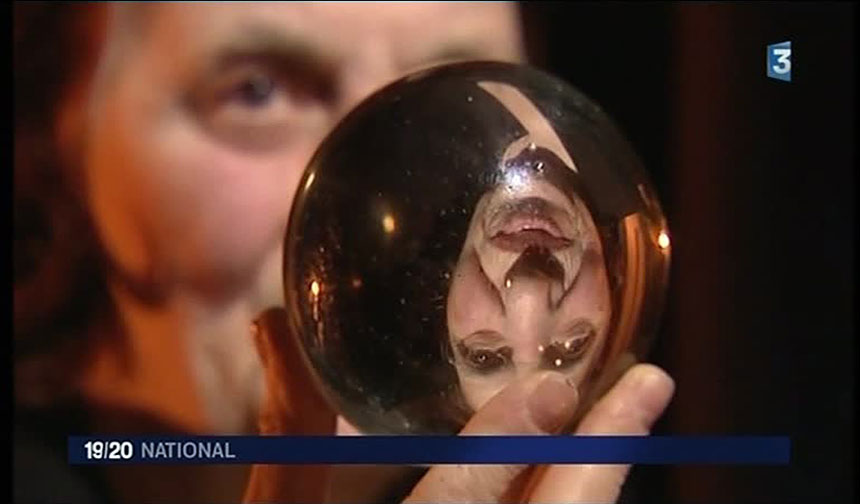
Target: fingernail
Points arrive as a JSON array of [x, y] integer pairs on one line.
[[552, 402]]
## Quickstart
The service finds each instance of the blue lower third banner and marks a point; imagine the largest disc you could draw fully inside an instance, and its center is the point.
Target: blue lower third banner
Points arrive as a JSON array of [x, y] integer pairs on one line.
[[426, 450]]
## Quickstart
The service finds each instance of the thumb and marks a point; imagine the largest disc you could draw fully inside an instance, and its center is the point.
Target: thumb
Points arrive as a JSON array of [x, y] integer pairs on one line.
[[629, 408], [541, 403]]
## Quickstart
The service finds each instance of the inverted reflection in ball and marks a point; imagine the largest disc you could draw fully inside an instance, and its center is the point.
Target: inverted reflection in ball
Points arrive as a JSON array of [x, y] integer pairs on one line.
[[462, 228]]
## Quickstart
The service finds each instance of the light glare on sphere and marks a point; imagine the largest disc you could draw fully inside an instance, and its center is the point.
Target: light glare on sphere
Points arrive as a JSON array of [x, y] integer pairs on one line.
[[462, 228]]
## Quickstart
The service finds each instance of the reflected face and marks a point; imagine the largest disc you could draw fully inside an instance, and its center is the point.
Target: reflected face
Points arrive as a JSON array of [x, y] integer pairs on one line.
[[530, 290]]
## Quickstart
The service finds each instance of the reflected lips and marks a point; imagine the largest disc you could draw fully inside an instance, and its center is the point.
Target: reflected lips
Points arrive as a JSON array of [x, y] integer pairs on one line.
[[521, 240], [525, 223]]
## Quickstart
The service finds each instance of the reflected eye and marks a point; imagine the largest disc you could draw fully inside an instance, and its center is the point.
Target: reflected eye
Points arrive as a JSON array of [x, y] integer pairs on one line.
[[485, 360], [562, 354]]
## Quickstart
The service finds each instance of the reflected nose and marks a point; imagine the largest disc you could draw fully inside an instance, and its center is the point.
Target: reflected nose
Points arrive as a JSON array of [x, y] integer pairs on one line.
[[530, 294], [529, 317]]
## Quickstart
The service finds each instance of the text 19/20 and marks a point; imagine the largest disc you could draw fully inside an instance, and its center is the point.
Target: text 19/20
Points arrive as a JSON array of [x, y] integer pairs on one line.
[[109, 450]]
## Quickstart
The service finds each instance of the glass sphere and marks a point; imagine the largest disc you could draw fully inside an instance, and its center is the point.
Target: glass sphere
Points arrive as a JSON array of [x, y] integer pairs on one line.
[[462, 227]]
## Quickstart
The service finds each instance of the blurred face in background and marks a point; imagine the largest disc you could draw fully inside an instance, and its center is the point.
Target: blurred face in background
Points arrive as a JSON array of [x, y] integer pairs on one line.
[[201, 118], [193, 132]]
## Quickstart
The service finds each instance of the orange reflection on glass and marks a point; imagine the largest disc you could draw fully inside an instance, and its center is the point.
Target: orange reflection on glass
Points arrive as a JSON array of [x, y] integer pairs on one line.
[[314, 289], [388, 223]]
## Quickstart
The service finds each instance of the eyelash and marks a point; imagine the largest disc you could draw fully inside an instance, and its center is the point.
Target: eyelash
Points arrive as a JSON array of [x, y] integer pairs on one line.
[[485, 360], [252, 84], [488, 361], [254, 90], [250, 107], [568, 352]]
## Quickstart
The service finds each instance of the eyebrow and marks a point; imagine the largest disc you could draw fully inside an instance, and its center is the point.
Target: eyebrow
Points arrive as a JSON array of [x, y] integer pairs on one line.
[[289, 52], [450, 52]]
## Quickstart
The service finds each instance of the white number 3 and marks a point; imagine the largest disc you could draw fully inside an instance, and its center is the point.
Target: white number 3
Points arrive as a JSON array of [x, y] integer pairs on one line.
[[784, 65]]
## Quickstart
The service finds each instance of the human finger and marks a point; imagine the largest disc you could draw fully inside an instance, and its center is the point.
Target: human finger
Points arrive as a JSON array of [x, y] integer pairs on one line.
[[538, 404], [629, 408]]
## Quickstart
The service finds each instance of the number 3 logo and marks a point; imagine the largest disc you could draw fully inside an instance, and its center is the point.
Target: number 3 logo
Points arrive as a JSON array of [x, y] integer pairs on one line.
[[784, 63], [779, 61]]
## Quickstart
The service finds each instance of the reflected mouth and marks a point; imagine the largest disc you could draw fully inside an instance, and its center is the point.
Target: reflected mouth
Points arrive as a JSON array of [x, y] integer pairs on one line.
[[524, 223], [522, 240]]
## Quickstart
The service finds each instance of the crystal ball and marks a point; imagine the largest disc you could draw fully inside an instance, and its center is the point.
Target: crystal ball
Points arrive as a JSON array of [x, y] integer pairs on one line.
[[463, 227]]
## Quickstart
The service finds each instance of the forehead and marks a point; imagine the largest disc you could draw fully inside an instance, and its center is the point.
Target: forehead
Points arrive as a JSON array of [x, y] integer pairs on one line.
[[337, 29]]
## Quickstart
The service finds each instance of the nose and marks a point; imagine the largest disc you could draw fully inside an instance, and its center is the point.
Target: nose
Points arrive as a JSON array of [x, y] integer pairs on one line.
[[529, 297], [529, 314]]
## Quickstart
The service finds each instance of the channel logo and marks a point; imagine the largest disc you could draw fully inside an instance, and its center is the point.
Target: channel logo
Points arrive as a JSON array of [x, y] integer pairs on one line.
[[779, 61]]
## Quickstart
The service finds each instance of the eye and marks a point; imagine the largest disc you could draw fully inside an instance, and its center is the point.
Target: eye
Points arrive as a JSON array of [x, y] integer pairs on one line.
[[251, 97], [485, 360], [564, 353], [256, 91], [252, 106]]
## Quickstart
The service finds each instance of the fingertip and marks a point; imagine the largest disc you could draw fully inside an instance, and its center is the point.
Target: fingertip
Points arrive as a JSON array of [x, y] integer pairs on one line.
[[652, 389], [552, 401], [539, 403], [653, 377], [268, 331], [633, 404], [256, 332], [272, 317]]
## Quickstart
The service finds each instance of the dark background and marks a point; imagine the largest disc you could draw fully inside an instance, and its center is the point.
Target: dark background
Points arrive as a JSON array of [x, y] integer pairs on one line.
[[756, 179]]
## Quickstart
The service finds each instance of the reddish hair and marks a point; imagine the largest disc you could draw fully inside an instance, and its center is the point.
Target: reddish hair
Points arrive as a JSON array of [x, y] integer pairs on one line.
[[59, 278]]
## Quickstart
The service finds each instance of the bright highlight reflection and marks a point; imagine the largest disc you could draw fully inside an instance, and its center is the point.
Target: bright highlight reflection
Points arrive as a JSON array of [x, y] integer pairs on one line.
[[663, 240], [388, 223]]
